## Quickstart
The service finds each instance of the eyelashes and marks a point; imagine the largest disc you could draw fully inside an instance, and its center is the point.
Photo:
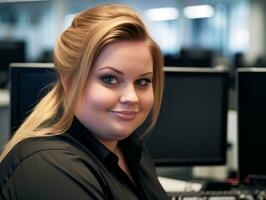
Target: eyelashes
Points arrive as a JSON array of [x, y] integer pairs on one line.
[[113, 80], [143, 82], [109, 79]]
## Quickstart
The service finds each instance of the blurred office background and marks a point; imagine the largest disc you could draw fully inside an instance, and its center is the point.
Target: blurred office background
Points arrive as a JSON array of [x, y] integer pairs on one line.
[[227, 31], [192, 33]]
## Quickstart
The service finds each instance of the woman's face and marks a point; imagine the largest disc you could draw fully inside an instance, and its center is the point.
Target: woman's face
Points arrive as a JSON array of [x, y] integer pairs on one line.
[[119, 93]]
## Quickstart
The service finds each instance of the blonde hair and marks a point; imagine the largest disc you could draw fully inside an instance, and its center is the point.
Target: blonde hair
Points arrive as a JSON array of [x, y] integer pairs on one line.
[[75, 51]]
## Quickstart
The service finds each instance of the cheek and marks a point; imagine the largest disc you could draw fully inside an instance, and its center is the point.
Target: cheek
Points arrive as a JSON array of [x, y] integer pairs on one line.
[[147, 100], [99, 98]]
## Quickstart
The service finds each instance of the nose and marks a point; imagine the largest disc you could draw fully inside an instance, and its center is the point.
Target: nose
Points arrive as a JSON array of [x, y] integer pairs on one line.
[[129, 95]]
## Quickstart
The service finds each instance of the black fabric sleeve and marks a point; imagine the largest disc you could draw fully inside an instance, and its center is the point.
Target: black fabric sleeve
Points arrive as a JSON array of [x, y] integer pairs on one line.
[[53, 175]]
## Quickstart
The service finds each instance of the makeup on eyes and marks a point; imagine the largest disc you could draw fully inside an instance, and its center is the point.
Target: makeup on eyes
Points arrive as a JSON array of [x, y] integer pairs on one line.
[[111, 76], [143, 82], [109, 79]]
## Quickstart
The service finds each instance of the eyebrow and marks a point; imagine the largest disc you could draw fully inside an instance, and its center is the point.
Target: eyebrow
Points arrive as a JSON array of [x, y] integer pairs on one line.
[[111, 68], [119, 72]]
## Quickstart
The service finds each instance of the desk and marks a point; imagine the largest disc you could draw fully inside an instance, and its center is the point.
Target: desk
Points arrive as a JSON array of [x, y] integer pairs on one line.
[[174, 185]]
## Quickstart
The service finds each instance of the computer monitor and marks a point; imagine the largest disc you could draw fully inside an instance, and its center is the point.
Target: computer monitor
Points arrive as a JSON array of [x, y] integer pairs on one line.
[[196, 57], [10, 51], [191, 128], [28, 83], [251, 103]]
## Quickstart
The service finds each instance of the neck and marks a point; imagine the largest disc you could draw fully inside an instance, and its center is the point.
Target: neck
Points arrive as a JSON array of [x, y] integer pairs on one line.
[[109, 144]]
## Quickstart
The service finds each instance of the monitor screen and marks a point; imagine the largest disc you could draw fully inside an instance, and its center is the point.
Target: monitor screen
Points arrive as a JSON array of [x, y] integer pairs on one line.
[[251, 84], [29, 82], [191, 128], [10, 51], [196, 57]]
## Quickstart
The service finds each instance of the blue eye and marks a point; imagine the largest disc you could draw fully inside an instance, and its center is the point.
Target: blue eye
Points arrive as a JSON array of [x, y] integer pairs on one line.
[[143, 82], [109, 79]]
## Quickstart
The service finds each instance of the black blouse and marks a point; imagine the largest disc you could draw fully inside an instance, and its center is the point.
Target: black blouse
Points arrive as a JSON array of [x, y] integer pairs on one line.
[[75, 165]]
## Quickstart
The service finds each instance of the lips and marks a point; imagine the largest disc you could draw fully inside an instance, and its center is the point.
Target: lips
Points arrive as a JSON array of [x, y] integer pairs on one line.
[[125, 115]]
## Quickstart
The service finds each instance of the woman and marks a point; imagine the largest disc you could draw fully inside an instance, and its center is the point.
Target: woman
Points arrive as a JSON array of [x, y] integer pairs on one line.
[[110, 78]]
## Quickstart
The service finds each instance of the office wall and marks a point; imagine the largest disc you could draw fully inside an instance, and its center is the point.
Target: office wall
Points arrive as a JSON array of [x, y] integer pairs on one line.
[[257, 30]]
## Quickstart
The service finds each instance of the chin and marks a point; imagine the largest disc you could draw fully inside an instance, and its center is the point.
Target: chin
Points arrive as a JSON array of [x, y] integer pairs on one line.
[[121, 133], [121, 130]]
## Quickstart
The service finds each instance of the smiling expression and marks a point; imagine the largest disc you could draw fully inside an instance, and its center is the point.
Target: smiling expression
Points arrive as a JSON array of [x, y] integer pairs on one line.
[[119, 92]]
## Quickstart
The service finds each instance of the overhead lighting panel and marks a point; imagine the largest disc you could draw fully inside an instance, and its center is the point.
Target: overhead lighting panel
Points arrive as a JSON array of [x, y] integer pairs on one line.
[[162, 14], [200, 11]]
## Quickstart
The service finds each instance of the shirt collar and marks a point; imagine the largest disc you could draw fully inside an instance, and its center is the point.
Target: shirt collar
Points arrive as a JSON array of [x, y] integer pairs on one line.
[[131, 146]]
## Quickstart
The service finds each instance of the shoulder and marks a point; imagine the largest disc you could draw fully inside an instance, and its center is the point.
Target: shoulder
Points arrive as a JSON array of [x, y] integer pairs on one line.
[[59, 150], [38, 162], [61, 147], [31, 148], [28, 147]]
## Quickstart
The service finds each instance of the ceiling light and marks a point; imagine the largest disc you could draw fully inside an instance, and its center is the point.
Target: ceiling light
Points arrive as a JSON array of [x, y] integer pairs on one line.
[[196, 12], [162, 14]]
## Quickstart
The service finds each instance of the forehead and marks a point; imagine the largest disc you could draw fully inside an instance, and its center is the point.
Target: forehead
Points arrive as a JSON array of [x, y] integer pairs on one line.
[[125, 55]]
